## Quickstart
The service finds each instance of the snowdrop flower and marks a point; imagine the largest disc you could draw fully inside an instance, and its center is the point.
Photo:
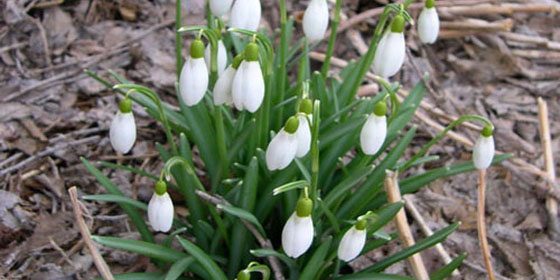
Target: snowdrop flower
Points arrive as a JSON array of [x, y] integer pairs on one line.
[[389, 56], [248, 83], [297, 234], [374, 130], [283, 147], [222, 89], [220, 7], [353, 241], [222, 57], [303, 133], [246, 14], [316, 20], [483, 151], [160, 209], [123, 128], [194, 76], [428, 23]]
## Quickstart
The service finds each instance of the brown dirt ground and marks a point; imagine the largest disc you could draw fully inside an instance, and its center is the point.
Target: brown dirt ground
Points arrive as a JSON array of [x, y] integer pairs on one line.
[[51, 114]]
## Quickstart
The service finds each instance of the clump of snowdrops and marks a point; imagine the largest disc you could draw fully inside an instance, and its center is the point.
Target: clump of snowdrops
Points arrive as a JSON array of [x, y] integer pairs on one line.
[[279, 195]]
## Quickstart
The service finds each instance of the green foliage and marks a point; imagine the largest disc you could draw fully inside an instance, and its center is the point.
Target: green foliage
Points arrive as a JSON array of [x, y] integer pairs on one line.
[[343, 183]]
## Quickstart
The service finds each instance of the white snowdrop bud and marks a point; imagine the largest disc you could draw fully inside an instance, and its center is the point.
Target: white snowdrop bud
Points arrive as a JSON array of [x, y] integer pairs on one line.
[[316, 20], [353, 241], [223, 87], [160, 209], [428, 23], [246, 14], [390, 53], [248, 83], [374, 130], [220, 7], [283, 147], [193, 81], [222, 57], [297, 234], [483, 151], [123, 128], [303, 133]]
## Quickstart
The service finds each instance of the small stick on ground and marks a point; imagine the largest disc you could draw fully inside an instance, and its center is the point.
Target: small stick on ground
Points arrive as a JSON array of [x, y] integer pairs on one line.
[[394, 195], [100, 263], [409, 204], [551, 203], [481, 224]]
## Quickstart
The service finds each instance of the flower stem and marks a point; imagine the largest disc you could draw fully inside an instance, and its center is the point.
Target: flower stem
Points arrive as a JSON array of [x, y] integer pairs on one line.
[[441, 135], [332, 39], [221, 142], [281, 70], [315, 150], [481, 224]]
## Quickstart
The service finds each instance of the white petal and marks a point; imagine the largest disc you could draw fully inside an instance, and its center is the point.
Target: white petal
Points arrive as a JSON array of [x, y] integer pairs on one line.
[[428, 25], [316, 20], [303, 135], [246, 14], [222, 90], [281, 150], [389, 56], [483, 152], [351, 244], [220, 7], [123, 132], [297, 235], [253, 86], [373, 134], [160, 212], [237, 88], [193, 81], [222, 57]]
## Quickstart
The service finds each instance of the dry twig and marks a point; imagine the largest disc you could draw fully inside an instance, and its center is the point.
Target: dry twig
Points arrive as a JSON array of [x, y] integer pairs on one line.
[[274, 263], [394, 195], [481, 224], [551, 203], [100, 263], [409, 204]]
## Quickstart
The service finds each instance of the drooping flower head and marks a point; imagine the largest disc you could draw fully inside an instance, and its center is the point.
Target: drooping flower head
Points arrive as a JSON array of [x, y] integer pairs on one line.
[[483, 151], [221, 58], [160, 209], [246, 14], [428, 23], [283, 147], [303, 133], [390, 53], [353, 241], [374, 131], [193, 81], [248, 83], [316, 20], [123, 128], [297, 234], [223, 87], [220, 7]]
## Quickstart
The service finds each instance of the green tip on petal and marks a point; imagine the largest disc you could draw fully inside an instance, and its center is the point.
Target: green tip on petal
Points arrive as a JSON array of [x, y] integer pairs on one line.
[[306, 106], [380, 109], [161, 187], [361, 224], [243, 275], [291, 125], [304, 207], [197, 49], [237, 61], [398, 24], [252, 52], [487, 131], [430, 4], [125, 105]]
